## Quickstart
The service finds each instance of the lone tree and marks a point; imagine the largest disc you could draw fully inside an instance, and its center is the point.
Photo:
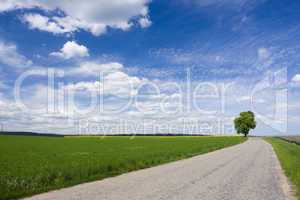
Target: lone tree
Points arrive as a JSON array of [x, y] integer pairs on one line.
[[244, 123]]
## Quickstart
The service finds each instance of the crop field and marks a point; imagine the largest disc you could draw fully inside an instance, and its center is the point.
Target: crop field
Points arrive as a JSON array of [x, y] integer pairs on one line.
[[293, 138], [289, 156], [31, 164]]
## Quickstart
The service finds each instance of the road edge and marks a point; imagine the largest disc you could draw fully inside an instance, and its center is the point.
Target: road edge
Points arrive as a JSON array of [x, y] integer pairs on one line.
[[286, 185]]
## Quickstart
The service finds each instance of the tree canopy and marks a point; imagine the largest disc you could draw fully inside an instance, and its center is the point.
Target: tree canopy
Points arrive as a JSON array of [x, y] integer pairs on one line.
[[245, 122]]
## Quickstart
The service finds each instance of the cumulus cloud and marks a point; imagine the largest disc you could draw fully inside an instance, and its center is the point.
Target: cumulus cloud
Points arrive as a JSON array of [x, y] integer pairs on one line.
[[94, 16], [296, 78], [92, 68], [113, 81], [145, 22], [9, 55], [71, 50], [37, 21]]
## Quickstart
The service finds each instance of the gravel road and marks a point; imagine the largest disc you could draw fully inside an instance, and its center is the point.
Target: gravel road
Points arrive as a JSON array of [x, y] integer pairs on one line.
[[247, 171]]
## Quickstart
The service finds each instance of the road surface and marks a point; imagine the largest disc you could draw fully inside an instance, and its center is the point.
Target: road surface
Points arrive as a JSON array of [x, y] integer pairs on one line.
[[247, 171]]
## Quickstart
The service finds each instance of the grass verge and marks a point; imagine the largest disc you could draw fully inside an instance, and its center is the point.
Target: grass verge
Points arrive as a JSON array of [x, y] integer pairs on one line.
[[289, 157], [31, 165]]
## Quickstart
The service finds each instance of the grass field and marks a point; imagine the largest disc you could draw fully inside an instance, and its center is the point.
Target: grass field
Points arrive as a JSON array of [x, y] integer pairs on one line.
[[289, 156], [30, 165]]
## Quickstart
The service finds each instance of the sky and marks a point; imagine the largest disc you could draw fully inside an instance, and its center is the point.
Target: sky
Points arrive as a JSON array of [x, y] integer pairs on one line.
[[142, 66]]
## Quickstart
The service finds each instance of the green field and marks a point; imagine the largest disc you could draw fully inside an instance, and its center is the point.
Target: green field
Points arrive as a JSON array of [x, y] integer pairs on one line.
[[289, 156], [30, 165]]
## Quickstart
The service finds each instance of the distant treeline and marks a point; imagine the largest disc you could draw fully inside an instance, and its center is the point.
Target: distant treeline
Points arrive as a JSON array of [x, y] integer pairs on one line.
[[61, 135], [31, 134]]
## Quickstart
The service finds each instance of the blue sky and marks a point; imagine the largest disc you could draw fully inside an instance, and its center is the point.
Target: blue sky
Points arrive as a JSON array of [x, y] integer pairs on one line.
[[151, 44]]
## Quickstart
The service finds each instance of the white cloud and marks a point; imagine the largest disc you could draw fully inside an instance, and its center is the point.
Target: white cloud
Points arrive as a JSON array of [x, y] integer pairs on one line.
[[244, 98], [37, 21], [263, 53], [250, 99], [94, 16], [111, 78], [71, 50], [7, 5], [9, 55], [116, 83], [145, 22], [296, 78], [92, 68]]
